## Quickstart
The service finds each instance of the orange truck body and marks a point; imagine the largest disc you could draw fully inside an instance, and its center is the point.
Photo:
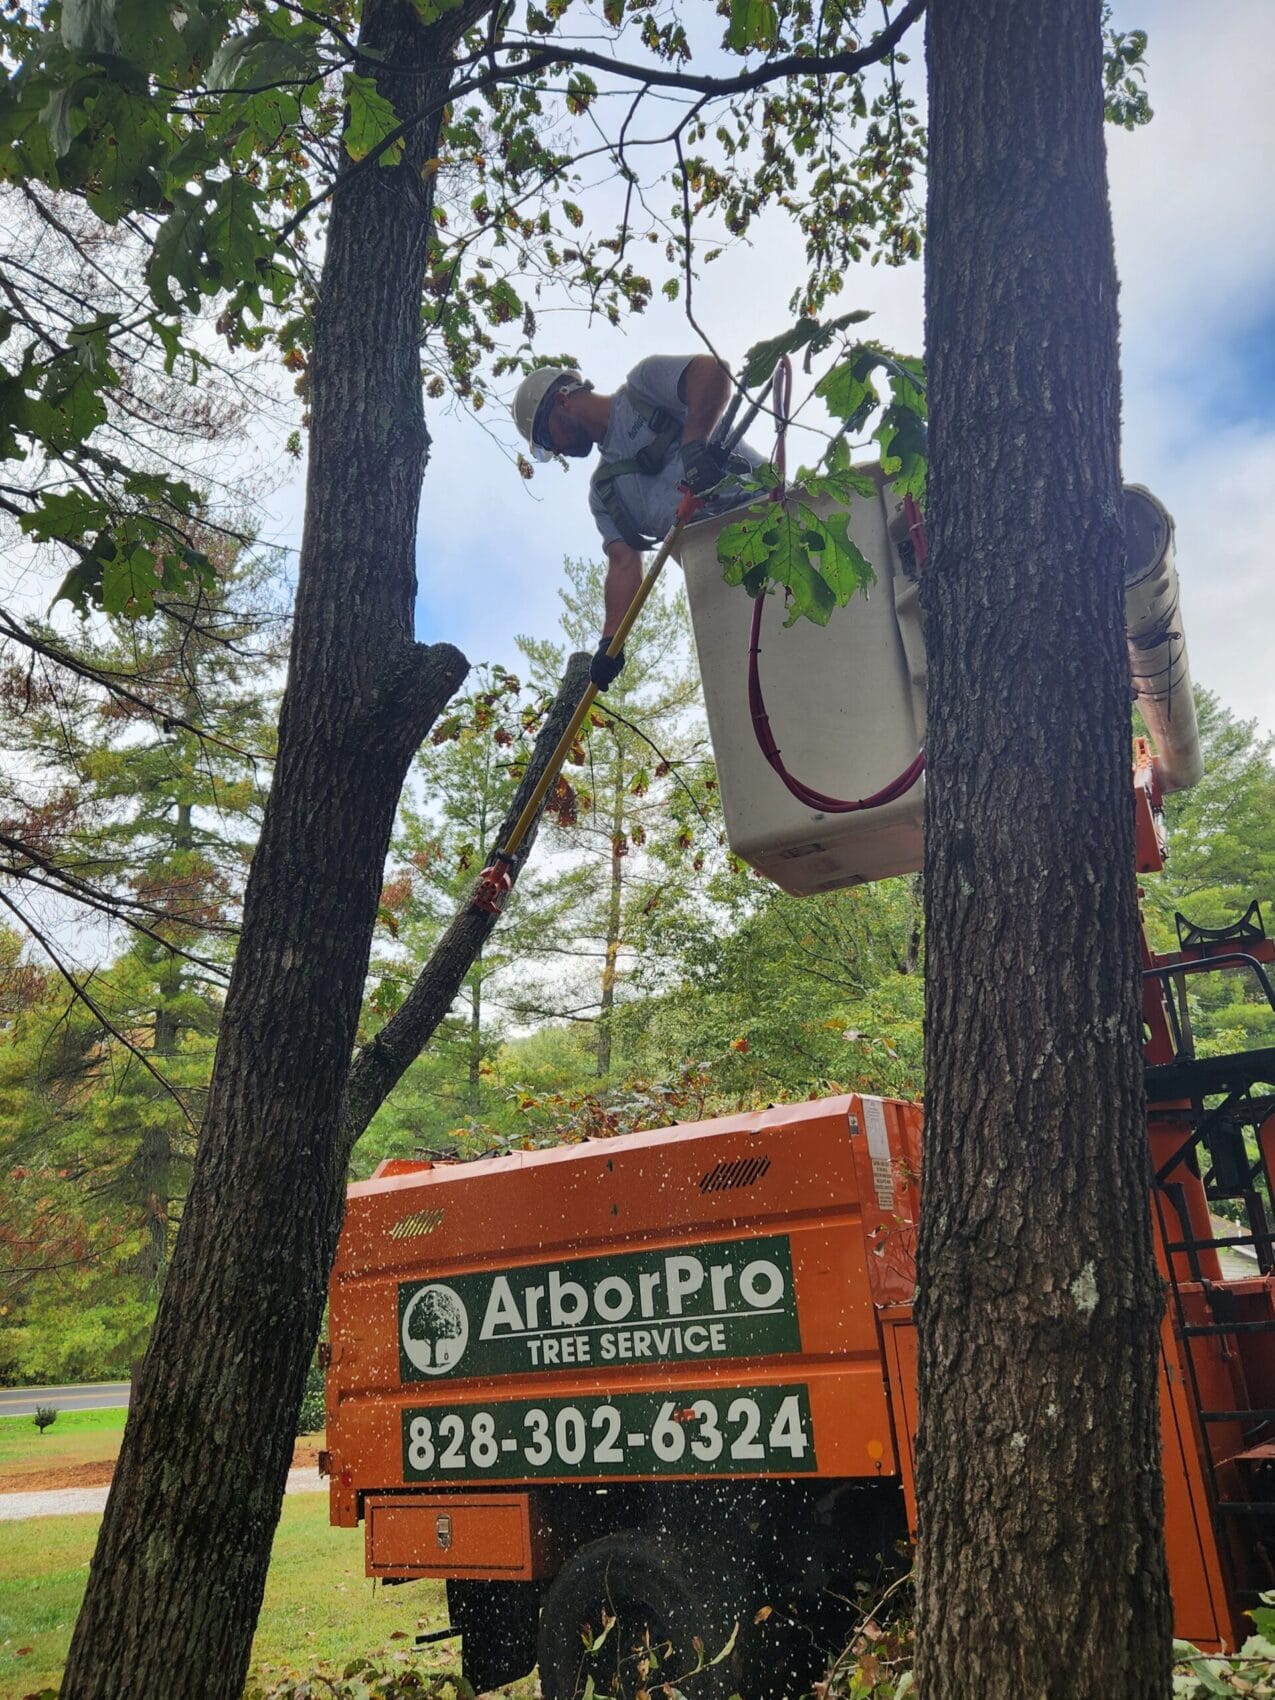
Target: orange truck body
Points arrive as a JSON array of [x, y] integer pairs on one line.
[[719, 1315], [800, 1220]]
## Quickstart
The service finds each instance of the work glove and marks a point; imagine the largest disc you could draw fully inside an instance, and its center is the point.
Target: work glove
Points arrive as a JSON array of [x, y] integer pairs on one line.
[[703, 466], [605, 669]]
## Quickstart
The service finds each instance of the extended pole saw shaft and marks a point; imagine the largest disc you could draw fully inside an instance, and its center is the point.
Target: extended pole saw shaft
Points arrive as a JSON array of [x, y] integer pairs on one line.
[[495, 882]]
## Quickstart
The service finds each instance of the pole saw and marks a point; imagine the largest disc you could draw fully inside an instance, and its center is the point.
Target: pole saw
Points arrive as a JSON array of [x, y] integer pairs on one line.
[[496, 880]]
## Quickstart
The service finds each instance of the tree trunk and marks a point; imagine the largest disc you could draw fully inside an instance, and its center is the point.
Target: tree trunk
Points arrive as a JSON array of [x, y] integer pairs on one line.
[[613, 921], [1041, 1569], [177, 1578], [475, 1084], [154, 1161]]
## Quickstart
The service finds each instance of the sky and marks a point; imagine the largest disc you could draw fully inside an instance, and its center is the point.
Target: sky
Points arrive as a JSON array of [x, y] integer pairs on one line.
[[1195, 242]]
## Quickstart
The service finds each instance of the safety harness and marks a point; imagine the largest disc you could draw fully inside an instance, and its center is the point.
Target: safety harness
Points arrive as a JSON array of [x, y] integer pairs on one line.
[[653, 457]]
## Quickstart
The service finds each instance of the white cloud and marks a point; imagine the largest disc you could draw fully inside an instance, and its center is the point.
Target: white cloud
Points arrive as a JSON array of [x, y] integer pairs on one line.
[[1195, 246], [1191, 191]]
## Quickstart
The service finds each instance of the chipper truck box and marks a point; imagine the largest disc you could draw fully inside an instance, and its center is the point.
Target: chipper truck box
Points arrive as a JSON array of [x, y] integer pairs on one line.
[[665, 1383]]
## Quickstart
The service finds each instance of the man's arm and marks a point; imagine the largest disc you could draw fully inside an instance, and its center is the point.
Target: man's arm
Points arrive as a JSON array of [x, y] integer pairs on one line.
[[705, 388], [624, 574]]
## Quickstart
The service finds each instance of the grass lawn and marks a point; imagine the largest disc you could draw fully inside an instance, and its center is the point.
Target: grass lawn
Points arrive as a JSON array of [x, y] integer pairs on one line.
[[77, 1437], [319, 1611]]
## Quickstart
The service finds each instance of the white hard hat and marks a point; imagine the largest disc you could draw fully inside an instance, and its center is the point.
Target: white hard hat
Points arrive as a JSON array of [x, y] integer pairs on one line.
[[533, 392]]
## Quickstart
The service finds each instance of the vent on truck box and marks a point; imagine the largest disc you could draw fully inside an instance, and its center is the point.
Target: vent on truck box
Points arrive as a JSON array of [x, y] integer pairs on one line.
[[743, 1171], [418, 1223]]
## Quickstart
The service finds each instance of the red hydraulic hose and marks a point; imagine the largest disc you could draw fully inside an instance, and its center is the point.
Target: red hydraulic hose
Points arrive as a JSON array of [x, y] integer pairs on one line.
[[804, 793], [903, 783]]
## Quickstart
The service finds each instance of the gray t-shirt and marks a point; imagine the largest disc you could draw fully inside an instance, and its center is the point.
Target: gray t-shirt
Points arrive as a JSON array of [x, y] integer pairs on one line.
[[651, 501]]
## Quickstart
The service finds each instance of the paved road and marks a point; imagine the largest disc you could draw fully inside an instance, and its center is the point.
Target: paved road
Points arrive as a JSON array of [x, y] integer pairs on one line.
[[98, 1396]]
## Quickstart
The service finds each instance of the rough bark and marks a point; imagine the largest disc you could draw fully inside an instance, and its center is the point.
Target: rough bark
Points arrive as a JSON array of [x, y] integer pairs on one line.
[[380, 1064], [1041, 1568], [177, 1578]]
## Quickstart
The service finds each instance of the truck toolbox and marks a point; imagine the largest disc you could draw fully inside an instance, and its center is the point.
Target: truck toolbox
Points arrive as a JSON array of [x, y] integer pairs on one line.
[[466, 1535]]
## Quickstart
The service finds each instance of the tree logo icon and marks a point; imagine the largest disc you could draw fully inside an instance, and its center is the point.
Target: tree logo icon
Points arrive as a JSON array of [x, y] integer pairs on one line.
[[435, 1329]]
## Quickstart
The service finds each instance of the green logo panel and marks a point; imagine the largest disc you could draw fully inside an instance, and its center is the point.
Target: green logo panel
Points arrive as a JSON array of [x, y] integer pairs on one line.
[[729, 1299], [715, 1432]]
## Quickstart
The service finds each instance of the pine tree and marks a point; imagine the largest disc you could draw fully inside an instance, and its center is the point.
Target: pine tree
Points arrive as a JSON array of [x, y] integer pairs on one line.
[[783, 996], [642, 755], [157, 821]]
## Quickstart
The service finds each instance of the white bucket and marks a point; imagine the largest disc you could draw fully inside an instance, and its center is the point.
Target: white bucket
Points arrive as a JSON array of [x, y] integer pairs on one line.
[[846, 703]]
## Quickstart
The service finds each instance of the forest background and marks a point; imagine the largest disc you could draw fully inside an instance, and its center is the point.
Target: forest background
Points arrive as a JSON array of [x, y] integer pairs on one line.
[[640, 975]]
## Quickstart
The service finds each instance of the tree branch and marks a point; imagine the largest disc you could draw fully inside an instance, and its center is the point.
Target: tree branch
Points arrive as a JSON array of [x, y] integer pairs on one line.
[[94, 1008], [106, 681], [792, 65], [127, 910], [378, 1066]]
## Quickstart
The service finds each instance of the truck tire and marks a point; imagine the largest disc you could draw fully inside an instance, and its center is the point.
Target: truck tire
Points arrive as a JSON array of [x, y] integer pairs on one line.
[[660, 1604]]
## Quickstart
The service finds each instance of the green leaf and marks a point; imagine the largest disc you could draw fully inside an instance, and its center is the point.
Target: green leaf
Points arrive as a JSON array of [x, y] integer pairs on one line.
[[63, 514], [581, 93], [273, 61], [810, 334], [839, 486], [64, 117], [174, 265], [129, 583], [849, 392], [80, 586], [1206, 1671], [89, 27], [842, 563], [227, 59], [747, 543], [370, 120], [904, 451], [753, 23], [791, 566], [73, 393]]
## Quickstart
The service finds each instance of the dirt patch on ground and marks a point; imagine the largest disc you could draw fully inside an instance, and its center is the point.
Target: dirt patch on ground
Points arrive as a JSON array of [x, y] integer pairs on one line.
[[38, 1478]]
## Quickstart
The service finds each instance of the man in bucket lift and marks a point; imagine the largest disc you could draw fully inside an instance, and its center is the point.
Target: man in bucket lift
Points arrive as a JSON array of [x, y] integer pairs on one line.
[[653, 438]]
